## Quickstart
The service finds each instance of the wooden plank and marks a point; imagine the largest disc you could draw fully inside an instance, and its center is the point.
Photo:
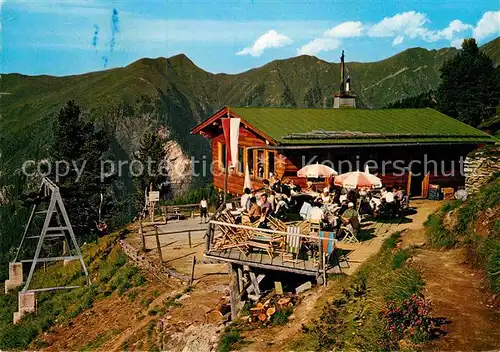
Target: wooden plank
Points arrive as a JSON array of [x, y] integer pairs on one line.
[[255, 283], [241, 285], [212, 255], [232, 294]]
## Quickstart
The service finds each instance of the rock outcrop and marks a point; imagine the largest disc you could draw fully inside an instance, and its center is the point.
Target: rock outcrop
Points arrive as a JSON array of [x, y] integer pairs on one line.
[[480, 166]]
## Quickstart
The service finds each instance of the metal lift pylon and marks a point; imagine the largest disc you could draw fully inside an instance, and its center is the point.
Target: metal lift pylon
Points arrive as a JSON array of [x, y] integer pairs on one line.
[[64, 229]]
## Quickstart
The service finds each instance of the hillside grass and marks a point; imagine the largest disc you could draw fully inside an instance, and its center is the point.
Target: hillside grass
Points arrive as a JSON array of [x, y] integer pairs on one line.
[[353, 319], [480, 210], [111, 273]]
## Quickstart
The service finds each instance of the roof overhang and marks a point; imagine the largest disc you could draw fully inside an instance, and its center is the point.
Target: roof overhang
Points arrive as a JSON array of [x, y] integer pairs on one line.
[[226, 112]]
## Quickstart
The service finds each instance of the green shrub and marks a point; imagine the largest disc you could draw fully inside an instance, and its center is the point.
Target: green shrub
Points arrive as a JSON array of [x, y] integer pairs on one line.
[[488, 197], [406, 283], [408, 319], [229, 339], [437, 235], [392, 241], [400, 258], [280, 317]]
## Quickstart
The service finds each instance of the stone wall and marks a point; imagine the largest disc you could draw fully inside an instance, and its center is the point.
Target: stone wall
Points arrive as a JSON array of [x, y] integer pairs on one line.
[[480, 166]]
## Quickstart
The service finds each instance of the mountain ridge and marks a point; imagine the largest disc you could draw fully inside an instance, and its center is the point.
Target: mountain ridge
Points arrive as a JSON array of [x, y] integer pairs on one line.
[[176, 93]]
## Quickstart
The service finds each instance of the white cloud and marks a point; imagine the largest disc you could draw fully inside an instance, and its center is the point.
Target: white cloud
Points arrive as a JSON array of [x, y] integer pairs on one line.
[[318, 45], [398, 40], [409, 23], [488, 24], [455, 26], [271, 39], [412, 24], [346, 30], [457, 43]]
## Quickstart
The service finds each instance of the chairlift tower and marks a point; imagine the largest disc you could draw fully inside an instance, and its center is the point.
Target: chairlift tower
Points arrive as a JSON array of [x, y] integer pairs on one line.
[[55, 213]]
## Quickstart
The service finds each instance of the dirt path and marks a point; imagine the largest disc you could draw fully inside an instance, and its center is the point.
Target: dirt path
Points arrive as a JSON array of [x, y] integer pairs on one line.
[[455, 289], [457, 293]]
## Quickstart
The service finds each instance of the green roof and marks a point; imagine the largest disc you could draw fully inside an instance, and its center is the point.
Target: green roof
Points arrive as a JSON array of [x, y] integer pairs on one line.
[[360, 126]]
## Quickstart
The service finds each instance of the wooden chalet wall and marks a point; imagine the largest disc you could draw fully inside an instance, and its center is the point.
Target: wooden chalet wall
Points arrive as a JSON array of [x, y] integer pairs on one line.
[[285, 163], [236, 178]]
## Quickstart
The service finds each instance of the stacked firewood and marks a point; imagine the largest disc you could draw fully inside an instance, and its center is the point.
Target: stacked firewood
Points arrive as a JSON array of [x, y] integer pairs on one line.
[[264, 310]]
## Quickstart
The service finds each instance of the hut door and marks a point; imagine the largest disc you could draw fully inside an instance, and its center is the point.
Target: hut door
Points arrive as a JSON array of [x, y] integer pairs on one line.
[[425, 185], [408, 184]]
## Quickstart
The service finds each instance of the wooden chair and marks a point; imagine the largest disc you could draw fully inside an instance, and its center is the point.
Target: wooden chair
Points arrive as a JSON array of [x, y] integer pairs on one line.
[[265, 242], [292, 244], [276, 224], [349, 234]]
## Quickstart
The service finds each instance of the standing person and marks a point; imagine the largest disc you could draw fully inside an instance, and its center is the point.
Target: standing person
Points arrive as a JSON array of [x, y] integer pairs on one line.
[[245, 199], [220, 199], [203, 209]]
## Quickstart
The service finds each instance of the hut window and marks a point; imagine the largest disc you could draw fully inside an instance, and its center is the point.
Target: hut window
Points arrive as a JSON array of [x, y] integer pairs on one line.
[[270, 163], [222, 155], [241, 156], [260, 163], [250, 160]]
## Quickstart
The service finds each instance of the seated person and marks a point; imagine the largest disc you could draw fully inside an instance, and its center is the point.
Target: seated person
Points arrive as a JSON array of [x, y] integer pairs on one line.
[[352, 196], [272, 199], [266, 184], [293, 187], [309, 187], [281, 206], [266, 208], [315, 214], [255, 211], [325, 196], [350, 217], [387, 195], [245, 200], [343, 206], [399, 193], [336, 196]]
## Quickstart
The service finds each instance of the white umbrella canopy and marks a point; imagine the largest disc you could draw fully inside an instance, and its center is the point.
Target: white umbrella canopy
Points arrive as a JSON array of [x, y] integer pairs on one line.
[[316, 170], [358, 179]]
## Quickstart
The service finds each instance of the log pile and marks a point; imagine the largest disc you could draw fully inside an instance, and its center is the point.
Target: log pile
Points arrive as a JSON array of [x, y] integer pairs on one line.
[[263, 311]]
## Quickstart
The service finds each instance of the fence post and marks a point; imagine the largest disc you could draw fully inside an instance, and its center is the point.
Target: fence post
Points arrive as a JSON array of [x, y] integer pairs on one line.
[[141, 232], [189, 237], [192, 271], [320, 256], [158, 244]]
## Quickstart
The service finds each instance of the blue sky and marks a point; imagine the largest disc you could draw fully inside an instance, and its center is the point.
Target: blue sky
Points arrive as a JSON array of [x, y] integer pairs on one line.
[[77, 36]]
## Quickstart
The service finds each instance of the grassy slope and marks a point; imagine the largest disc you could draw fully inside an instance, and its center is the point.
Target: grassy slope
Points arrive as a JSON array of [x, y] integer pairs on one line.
[[111, 275], [352, 320], [492, 49], [475, 224]]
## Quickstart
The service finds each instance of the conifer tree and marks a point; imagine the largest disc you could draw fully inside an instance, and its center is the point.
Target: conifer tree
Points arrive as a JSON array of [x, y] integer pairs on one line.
[[470, 85], [77, 149], [151, 155]]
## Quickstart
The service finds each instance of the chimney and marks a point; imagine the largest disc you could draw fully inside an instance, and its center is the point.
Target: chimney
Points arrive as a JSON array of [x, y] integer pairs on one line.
[[344, 99]]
